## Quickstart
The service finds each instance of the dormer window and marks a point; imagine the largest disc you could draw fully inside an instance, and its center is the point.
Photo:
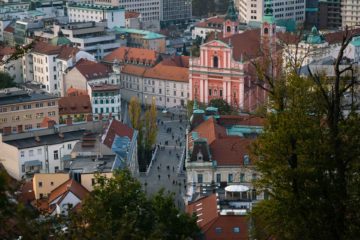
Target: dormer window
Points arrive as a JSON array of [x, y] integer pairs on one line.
[[200, 157], [266, 31], [216, 62]]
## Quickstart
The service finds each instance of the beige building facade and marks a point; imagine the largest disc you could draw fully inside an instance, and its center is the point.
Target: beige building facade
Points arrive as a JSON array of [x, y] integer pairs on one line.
[[22, 111], [45, 183]]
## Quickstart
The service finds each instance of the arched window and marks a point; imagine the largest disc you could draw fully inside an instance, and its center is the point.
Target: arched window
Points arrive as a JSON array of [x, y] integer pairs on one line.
[[266, 31], [216, 62], [228, 29]]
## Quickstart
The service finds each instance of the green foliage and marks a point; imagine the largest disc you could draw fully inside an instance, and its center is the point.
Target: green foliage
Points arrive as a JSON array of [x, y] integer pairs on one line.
[[150, 126], [223, 107], [310, 172], [6, 80], [135, 112], [119, 209]]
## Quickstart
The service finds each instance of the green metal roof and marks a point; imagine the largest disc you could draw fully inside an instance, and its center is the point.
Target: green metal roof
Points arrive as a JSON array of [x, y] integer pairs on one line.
[[35, 13], [147, 34], [240, 130], [214, 109], [59, 41], [231, 13], [356, 41], [314, 37]]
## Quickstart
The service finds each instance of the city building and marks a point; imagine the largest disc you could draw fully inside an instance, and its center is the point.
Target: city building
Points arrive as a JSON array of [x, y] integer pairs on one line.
[[312, 13], [315, 46], [175, 11], [149, 10], [22, 110], [45, 183], [167, 85], [86, 73], [204, 27], [13, 67], [350, 13], [114, 16], [329, 14], [222, 67], [284, 11], [24, 30], [105, 100], [217, 150], [137, 38], [91, 37], [68, 196], [135, 56], [9, 35], [42, 151], [77, 107], [3, 24], [122, 140], [133, 20], [219, 221]]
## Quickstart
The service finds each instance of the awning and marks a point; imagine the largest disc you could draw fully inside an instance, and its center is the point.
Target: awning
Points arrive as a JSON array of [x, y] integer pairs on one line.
[[237, 188], [33, 163]]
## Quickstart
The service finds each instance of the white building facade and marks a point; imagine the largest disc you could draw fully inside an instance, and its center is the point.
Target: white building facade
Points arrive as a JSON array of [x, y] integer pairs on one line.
[[114, 16], [253, 10]]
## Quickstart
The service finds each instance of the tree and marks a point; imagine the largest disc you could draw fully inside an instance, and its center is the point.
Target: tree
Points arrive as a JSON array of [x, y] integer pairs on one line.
[[135, 112], [6, 80], [223, 107], [309, 157], [150, 126], [119, 209]]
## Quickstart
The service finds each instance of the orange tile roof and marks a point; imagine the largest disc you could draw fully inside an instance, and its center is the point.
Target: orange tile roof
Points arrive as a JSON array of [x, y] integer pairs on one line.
[[9, 29], [92, 70], [124, 54], [131, 14], [69, 186], [75, 105], [204, 208], [165, 72], [5, 51]]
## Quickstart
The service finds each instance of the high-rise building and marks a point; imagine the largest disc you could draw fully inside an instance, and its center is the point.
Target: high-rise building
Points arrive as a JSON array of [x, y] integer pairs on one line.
[[253, 10], [311, 13], [175, 10], [329, 14], [350, 12]]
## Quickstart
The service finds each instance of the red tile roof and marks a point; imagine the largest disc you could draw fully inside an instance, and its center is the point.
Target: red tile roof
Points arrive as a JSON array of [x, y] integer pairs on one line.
[[79, 104], [67, 52], [209, 23], [230, 150], [124, 54], [222, 228], [9, 29], [6, 51], [46, 48], [131, 14], [176, 61], [92, 70], [69, 186], [210, 130], [104, 87], [204, 208], [117, 128], [241, 120]]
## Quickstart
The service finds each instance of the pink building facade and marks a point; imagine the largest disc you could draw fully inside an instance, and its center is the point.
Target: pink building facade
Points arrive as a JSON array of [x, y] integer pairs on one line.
[[215, 74]]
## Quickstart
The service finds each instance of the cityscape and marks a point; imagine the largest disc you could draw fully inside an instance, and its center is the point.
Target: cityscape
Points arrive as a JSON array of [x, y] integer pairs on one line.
[[180, 119]]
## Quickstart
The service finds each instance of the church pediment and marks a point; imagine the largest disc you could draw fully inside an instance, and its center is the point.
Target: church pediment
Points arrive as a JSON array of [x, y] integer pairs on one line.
[[215, 43]]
